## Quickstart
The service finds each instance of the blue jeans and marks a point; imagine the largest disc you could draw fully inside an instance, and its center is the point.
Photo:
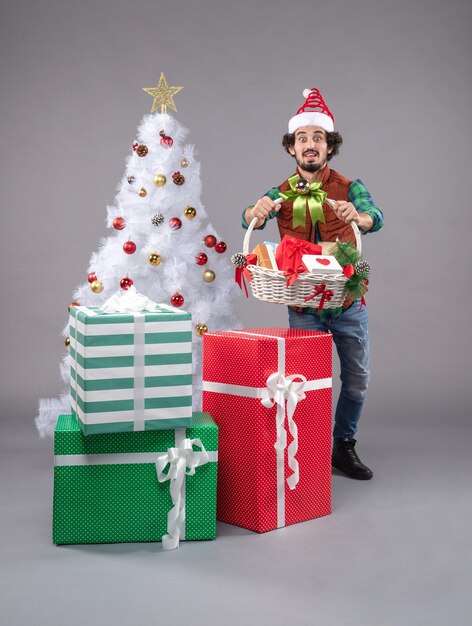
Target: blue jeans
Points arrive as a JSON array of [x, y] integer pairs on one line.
[[351, 336]]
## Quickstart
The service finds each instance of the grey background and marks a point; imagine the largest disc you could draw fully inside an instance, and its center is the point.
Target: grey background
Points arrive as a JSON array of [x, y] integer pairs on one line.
[[396, 76]]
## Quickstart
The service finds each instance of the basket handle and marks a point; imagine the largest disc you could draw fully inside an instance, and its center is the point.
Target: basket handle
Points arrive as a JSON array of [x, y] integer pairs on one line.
[[254, 221]]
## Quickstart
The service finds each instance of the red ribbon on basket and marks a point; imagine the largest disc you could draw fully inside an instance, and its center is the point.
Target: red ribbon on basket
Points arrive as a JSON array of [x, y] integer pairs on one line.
[[348, 270], [363, 302], [293, 274], [241, 272], [320, 290]]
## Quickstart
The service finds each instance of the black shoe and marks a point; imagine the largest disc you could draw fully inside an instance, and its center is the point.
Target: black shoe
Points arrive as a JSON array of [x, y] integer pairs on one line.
[[346, 460]]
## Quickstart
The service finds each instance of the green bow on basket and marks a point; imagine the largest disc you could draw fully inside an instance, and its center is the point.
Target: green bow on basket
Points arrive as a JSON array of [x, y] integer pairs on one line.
[[302, 195]]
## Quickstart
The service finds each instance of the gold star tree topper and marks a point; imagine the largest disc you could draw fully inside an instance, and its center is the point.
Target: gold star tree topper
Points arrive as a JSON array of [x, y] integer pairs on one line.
[[163, 95]]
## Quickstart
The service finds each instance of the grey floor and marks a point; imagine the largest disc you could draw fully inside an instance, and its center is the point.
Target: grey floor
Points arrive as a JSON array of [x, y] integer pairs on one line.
[[395, 551]]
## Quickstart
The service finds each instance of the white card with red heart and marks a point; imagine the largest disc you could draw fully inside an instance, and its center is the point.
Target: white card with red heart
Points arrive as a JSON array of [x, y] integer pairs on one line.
[[323, 263]]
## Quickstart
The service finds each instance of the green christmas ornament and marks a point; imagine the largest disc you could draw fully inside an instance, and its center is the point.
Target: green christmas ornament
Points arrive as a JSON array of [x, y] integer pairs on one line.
[[346, 253]]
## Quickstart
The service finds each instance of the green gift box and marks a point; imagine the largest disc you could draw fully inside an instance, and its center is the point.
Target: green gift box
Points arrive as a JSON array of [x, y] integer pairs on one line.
[[131, 371], [108, 489]]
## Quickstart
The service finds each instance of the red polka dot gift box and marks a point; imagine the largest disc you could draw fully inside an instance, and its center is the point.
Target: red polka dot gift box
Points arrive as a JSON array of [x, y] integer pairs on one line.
[[269, 392]]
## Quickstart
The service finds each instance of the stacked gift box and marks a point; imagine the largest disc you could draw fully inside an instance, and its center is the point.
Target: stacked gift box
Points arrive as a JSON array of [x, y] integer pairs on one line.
[[132, 463], [131, 371], [107, 487]]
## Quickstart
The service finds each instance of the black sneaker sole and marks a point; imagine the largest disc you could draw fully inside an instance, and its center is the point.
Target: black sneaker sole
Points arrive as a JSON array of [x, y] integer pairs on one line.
[[362, 476]]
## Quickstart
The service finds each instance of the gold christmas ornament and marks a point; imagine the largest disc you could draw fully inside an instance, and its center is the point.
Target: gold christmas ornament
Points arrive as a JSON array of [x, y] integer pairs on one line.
[[209, 276], [201, 329], [154, 258], [160, 180], [96, 286], [142, 192], [184, 162], [67, 342], [190, 212], [163, 95]]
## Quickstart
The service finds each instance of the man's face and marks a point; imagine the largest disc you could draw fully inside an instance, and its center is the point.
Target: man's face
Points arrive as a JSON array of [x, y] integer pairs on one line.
[[310, 148]]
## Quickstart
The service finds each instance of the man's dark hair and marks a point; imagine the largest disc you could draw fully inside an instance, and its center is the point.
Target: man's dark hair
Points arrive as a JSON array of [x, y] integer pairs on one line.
[[334, 141]]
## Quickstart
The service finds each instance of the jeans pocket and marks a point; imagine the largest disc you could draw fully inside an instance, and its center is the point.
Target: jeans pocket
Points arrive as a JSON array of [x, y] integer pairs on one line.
[[352, 328]]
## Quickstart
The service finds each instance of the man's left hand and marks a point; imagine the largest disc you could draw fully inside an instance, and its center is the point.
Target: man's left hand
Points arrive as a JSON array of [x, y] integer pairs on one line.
[[346, 212]]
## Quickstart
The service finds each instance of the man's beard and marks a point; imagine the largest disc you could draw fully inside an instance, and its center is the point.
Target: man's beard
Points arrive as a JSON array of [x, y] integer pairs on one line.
[[309, 167]]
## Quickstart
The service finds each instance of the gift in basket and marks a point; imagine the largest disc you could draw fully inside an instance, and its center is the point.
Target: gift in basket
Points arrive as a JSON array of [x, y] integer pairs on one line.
[[293, 284]]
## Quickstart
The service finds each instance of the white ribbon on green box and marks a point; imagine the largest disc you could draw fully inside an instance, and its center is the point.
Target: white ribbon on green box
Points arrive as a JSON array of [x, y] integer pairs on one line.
[[285, 392], [182, 461], [130, 369]]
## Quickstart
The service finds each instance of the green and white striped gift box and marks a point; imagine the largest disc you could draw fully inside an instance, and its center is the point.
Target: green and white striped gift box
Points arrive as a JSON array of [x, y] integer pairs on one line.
[[131, 371]]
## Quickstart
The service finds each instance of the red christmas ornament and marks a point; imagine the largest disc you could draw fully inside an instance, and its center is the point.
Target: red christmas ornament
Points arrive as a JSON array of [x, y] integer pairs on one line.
[[210, 241], [129, 247], [126, 282], [92, 277], [175, 223], [73, 304], [166, 141], [134, 146], [177, 300], [220, 247], [119, 223], [201, 258]]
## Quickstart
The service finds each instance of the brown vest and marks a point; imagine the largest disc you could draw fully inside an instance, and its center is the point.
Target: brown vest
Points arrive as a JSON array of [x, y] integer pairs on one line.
[[336, 187]]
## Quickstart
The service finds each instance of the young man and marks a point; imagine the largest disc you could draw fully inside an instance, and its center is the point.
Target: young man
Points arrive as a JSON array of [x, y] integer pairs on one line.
[[312, 142]]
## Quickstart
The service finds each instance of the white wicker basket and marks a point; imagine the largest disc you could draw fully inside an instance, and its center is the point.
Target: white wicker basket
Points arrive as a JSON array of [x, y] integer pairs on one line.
[[270, 285]]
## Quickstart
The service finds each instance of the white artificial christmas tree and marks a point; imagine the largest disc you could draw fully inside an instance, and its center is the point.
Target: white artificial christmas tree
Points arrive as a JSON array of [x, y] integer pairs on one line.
[[161, 242]]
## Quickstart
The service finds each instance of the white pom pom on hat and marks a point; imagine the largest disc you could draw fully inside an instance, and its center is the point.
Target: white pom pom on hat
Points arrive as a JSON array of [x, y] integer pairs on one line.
[[313, 113]]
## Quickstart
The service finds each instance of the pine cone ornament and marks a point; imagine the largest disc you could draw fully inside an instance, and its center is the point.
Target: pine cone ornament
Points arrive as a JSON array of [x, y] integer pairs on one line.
[[362, 269], [238, 259], [158, 219], [178, 178], [142, 150]]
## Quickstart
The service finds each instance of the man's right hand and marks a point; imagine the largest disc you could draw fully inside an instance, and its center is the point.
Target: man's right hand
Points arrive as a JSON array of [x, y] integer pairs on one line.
[[261, 210]]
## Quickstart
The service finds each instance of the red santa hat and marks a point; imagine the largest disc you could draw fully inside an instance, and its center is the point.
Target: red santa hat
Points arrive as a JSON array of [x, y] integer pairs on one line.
[[313, 113]]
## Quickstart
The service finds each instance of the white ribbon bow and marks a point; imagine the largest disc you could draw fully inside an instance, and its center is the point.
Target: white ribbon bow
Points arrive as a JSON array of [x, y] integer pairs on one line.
[[279, 389], [130, 301], [182, 461]]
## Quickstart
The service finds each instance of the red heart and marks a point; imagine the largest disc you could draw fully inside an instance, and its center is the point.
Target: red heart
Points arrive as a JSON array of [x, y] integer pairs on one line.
[[323, 261]]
